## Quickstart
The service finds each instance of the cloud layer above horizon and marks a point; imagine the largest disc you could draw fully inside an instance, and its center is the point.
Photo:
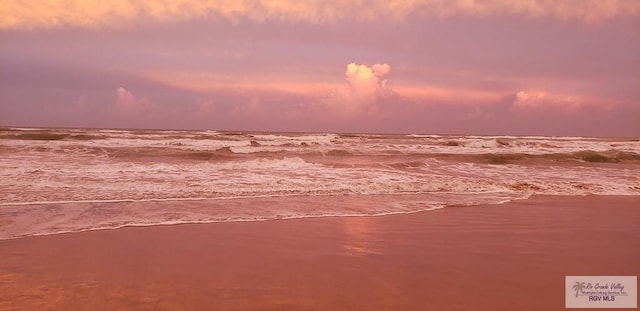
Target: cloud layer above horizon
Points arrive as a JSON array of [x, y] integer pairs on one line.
[[115, 13], [464, 66]]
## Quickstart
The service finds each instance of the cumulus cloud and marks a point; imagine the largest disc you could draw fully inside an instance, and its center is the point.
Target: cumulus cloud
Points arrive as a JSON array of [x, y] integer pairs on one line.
[[367, 81], [126, 101], [114, 13], [364, 90]]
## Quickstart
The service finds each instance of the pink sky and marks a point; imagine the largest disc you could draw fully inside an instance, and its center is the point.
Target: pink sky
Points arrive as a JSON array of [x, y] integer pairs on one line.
[[407, 66]]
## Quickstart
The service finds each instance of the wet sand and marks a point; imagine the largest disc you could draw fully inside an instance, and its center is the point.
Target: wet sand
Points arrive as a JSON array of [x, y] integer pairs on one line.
[[497, 257]]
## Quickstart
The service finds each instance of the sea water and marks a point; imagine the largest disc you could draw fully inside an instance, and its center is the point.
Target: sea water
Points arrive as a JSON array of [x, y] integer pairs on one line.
[[68, 180]]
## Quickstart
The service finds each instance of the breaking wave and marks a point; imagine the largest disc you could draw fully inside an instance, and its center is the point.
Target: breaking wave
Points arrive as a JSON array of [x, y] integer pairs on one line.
[[118, 178]]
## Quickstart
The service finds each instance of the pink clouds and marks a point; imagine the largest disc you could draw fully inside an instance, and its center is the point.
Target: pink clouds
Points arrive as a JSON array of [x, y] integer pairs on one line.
[[532, 100], [459, 66], [95, 14], [131, 110], [366, 88], [365, 79], [528, 100], [127, 102]]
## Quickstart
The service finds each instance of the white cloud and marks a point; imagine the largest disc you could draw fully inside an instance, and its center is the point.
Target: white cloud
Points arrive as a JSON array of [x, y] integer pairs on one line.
[[364, 90]]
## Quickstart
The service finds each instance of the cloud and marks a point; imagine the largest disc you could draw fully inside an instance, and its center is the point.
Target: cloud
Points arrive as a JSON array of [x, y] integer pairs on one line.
[[127, 102], [364, 90], [116, 13], [367, 81], [240, 82], [133, 111], [535, 100]]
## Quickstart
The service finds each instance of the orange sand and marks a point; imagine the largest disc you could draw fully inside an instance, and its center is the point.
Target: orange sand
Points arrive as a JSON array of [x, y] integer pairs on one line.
[[499, 257]]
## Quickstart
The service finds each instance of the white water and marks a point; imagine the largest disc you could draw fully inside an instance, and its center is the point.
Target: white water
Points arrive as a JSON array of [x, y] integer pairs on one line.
[[140, 177]]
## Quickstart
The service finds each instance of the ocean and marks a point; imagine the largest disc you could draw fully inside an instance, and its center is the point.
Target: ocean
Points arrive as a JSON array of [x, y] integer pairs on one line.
[[70, 180]]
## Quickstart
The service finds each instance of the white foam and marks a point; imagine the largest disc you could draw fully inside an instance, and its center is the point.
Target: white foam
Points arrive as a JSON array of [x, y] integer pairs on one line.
[[424, 136], [66, 172], [82, 216], [312, 139], [28, 129], [77, 181]]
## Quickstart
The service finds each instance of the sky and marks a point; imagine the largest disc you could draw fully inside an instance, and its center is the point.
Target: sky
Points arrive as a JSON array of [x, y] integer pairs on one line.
[[510, 67]]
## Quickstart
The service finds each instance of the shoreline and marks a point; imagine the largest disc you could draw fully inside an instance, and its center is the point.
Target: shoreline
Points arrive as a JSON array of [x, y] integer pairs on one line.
[[51, 218], [500, 256]]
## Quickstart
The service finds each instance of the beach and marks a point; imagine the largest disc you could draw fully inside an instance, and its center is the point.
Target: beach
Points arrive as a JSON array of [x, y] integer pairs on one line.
[[511, 256], [319, 155]]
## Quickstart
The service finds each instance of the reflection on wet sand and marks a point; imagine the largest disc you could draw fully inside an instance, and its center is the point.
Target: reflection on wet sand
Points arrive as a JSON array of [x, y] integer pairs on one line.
[[360, 236]]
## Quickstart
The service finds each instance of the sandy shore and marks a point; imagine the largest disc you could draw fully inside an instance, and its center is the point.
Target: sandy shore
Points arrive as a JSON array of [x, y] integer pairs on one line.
[[498, 257]]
